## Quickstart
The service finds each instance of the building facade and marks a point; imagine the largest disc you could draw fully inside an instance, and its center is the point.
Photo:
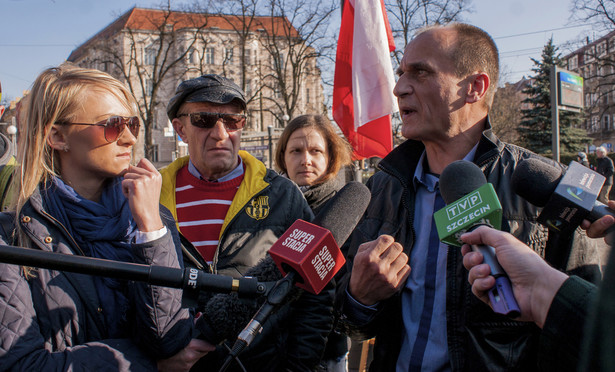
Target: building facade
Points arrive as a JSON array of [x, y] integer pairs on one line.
[[153, 50], [595, 62]]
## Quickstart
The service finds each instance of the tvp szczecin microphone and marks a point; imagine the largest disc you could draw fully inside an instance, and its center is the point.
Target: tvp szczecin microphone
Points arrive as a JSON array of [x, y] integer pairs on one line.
[[472, 202], [308, 255], [566, 199]]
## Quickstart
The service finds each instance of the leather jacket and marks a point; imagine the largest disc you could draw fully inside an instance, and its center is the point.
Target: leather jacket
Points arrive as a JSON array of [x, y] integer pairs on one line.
[[478, 339]]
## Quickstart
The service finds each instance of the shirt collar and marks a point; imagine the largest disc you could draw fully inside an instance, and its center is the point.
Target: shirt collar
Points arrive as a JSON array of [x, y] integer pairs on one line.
[[429, 180], [238, 171]]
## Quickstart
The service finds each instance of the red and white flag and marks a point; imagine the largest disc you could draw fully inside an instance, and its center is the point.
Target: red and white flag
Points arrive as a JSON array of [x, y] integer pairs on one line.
[[363, 99]]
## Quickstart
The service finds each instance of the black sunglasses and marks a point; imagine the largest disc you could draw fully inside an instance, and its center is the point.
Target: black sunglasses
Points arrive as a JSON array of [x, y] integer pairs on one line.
[[114, 126], [208, 120]]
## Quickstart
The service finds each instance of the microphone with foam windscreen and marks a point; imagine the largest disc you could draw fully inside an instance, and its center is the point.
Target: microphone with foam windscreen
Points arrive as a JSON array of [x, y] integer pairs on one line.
[[567, 199], [472, 202], [306, 253]]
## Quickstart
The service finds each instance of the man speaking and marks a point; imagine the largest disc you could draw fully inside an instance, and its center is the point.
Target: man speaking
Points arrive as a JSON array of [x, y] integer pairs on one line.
[[403, 285]]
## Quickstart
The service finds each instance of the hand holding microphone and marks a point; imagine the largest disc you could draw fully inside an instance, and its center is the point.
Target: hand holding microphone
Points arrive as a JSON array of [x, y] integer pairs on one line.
[[534, 282], [472, 202]]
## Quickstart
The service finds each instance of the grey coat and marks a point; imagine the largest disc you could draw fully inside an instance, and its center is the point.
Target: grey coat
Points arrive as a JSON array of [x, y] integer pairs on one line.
[[54, 321]]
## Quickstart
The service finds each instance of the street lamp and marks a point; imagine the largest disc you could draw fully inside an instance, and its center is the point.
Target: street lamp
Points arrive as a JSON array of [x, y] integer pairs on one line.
[[270, 131], [12, 131]]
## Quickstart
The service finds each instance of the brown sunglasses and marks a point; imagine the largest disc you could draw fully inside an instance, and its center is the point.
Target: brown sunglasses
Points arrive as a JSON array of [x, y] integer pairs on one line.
[[114, 126]]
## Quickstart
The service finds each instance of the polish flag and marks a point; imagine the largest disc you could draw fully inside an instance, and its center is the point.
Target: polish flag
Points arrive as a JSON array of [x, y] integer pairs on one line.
[[363, 98]]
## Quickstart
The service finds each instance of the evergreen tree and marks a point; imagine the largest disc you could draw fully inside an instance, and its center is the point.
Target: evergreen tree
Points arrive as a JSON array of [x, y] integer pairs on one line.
[[535, 128]]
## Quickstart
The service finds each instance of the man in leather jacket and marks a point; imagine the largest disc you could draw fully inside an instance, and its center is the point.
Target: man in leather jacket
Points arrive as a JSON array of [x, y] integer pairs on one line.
[[402, 285]]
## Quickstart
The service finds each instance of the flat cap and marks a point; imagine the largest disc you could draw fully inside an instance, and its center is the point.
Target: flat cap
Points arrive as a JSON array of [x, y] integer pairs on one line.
[[207, 88]]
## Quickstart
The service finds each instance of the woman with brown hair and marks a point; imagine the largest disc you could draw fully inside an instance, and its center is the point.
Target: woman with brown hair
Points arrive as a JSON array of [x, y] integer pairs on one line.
[[311, 154]]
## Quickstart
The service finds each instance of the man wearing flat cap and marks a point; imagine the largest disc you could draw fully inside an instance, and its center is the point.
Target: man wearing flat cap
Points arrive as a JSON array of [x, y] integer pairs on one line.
[[232, 209]]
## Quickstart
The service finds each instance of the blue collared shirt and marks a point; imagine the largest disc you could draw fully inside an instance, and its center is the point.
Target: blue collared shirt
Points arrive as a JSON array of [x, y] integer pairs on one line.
[[424, 346], [238, 171]]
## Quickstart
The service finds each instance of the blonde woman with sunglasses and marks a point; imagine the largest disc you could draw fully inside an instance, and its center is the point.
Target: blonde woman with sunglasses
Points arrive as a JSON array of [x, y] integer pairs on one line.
[[80, 195]]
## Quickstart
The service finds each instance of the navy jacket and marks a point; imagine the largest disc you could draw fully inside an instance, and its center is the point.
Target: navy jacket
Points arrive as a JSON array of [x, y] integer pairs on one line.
[[53, 321]]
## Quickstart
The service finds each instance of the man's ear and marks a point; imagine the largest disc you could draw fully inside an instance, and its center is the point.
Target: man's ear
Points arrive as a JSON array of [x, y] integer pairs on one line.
[[57, 139], [479, 84], [178, 125]]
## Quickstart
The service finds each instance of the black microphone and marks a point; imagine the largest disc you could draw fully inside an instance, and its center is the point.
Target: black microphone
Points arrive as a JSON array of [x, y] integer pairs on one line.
[[567, 199], [340, 215], [188, 279], [472, 202]]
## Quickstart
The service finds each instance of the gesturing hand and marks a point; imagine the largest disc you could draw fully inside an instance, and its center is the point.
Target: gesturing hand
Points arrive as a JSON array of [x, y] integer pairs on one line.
[[380, 268], [141, 186]]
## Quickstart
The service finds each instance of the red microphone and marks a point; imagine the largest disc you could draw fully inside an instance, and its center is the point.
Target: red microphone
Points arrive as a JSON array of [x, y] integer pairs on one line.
[[308, 255], [311, 252]]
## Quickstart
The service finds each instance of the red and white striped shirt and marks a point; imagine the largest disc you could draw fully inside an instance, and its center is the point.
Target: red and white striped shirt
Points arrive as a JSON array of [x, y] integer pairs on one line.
[[201, 208]]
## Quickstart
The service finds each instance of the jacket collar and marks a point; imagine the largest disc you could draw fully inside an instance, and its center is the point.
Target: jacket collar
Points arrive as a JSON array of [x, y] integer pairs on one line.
[[403, 160]]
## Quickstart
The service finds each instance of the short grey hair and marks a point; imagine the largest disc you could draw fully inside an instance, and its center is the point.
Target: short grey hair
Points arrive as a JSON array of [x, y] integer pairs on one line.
[[601, 149]]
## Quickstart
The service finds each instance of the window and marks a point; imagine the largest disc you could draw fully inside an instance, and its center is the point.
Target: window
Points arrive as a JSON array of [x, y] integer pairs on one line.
[[277, 92], [278, 61], [209, 56], [228, 55], [590, 54], [155, 151], [191, 56], [573, 62], [595, 126], [307, 95], [606, 122], [149, 57], [149, 87], [248, 88], [246, 57], [601, 48]]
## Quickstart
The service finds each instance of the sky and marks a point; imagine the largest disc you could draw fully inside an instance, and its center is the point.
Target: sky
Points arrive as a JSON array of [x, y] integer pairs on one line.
[[37, 34]]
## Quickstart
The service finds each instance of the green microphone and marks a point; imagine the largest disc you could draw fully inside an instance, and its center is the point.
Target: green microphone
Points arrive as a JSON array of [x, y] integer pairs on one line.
[[472, 202]]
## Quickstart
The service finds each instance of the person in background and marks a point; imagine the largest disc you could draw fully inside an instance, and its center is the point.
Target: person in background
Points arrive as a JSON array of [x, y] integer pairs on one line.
[[79, 195], [311, 154], [582, 158], [233, 209], [604, 166]]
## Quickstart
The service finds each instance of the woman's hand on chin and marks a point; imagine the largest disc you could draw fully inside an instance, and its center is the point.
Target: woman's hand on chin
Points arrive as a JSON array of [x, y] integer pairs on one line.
[[141, 186]]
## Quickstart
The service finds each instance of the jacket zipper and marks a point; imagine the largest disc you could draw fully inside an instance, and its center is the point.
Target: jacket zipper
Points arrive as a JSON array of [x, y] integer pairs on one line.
[[214, 263], [56, 222]]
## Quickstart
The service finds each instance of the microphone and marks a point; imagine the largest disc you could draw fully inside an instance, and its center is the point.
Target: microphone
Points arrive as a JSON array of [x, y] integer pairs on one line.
[[307, 253], [472, 202], [566, 199], [188, 279]]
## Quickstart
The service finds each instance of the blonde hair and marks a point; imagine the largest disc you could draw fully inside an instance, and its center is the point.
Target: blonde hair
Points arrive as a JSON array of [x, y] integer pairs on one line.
[[338, 148], [57, 95]]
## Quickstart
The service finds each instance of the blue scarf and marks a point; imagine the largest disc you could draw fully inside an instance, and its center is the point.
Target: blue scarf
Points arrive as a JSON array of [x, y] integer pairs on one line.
[[102, 230]]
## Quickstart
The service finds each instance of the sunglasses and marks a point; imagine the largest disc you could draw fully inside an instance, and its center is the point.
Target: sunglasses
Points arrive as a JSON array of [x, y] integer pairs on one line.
[[115, 125], [208, 120]]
